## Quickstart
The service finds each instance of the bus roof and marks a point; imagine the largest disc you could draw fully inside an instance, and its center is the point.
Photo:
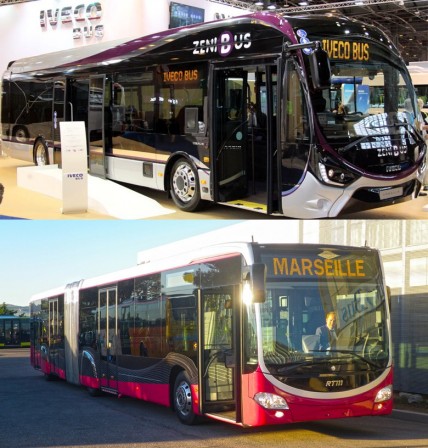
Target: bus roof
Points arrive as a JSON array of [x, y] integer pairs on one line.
[[154, 264], [108, 54]]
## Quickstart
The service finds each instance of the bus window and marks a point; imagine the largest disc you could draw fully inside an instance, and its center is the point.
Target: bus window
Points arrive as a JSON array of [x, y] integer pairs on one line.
[[148, 336], [31, 115], [180, 87], [156, 101], [88, 319]]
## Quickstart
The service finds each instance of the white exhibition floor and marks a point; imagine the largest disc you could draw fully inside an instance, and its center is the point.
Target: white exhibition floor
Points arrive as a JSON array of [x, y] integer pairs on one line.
[[104, 197]]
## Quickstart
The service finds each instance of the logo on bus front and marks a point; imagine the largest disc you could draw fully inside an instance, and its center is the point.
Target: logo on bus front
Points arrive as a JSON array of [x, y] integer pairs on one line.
[[222, 45], [346, 50]]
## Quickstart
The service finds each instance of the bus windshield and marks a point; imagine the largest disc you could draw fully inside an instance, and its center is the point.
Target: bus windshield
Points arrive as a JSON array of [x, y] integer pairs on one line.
[[369, 112], [324, 313]]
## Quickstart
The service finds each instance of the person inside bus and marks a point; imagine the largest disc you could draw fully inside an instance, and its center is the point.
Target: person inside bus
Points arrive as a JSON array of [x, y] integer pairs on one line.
[[327, 332], [251, 115]]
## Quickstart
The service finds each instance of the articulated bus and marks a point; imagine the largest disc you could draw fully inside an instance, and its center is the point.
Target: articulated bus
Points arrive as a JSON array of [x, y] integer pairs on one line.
[[14, 331], [241, 112], [228, 332]]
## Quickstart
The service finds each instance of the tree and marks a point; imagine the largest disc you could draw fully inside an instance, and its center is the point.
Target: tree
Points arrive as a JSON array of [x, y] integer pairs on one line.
[[5, 311]]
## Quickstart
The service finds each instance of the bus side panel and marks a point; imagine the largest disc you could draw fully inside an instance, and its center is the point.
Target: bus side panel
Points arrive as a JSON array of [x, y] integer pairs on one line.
[[137, 376], [155, 393], [49, 367], [45, 365], [90, 381]]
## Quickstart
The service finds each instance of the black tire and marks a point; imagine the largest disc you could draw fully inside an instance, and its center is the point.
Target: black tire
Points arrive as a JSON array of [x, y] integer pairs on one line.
[[183, 402], [40, 153], [93, 392], [50, 377], [184, 184]]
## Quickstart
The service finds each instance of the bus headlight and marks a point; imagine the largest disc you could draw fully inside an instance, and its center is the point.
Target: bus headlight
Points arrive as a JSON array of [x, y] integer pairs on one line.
[[270, 401], [334, 175], [384, 394]]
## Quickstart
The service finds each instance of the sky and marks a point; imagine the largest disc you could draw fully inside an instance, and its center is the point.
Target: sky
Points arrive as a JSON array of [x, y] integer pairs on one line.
[[36, 256]]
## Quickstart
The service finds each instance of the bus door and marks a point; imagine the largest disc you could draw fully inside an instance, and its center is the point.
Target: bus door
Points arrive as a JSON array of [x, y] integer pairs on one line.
[[296, 140], [244, 136], [96, 133], [108, 337], [219, 374]]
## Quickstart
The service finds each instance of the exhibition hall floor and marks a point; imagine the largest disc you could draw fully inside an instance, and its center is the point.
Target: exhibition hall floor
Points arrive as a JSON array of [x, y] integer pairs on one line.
[[109, 200], [36, 193], [22, 203]]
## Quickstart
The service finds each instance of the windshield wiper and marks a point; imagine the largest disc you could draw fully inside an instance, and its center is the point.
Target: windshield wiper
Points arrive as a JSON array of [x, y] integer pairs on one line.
[[360, 357], [295, 365], [290, 367]]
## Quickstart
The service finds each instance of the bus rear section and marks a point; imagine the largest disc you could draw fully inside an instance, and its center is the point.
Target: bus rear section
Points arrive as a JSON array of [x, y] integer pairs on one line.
[[235, 334]]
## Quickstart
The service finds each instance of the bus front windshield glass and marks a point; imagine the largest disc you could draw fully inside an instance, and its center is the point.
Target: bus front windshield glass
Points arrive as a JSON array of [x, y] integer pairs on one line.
[[370, 107], [307, 323]]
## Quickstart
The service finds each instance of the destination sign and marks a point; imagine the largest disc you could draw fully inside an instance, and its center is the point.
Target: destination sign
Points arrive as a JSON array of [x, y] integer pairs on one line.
[[181, 76], [346, 50], [318, 267]]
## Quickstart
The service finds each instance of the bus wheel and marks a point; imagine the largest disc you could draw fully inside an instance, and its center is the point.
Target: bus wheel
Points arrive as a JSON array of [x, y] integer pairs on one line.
[[21, 134], [183, 405], [93, 392], [41, 155], [185, 186]]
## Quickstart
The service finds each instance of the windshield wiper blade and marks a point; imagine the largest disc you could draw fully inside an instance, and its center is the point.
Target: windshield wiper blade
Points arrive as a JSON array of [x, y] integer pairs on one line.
[[360, 357], [293, 366]]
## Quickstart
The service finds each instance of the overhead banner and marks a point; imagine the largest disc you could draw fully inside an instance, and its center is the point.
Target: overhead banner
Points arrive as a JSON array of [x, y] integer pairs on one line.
[[74, 167]]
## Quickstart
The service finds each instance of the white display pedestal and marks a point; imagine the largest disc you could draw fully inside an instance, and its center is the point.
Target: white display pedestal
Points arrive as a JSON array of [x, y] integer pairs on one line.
[[104, 196], [74, 167]]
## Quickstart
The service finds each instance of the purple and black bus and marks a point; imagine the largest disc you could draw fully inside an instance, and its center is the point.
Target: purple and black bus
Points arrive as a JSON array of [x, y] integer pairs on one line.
[[296, 116]]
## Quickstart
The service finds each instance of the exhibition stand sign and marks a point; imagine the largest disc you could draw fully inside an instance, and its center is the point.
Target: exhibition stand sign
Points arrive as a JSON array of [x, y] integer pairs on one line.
[[74, 167]]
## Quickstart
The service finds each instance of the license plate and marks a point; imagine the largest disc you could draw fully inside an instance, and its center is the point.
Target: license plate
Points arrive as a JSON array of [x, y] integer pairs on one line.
[[391, 193]]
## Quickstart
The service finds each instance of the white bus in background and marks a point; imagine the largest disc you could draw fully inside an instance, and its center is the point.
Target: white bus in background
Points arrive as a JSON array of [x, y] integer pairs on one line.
[[419, 74]]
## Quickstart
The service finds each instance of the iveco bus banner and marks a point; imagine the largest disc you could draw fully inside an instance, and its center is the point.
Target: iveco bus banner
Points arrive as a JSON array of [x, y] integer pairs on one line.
[[74, 167]]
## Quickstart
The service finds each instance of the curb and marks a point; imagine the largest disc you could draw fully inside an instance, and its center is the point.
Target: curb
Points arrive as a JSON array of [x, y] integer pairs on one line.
[[410, 416]]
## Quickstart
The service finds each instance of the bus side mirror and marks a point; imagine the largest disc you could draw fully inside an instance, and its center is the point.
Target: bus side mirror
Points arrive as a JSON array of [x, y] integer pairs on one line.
[[255, 283], [319, 63]]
